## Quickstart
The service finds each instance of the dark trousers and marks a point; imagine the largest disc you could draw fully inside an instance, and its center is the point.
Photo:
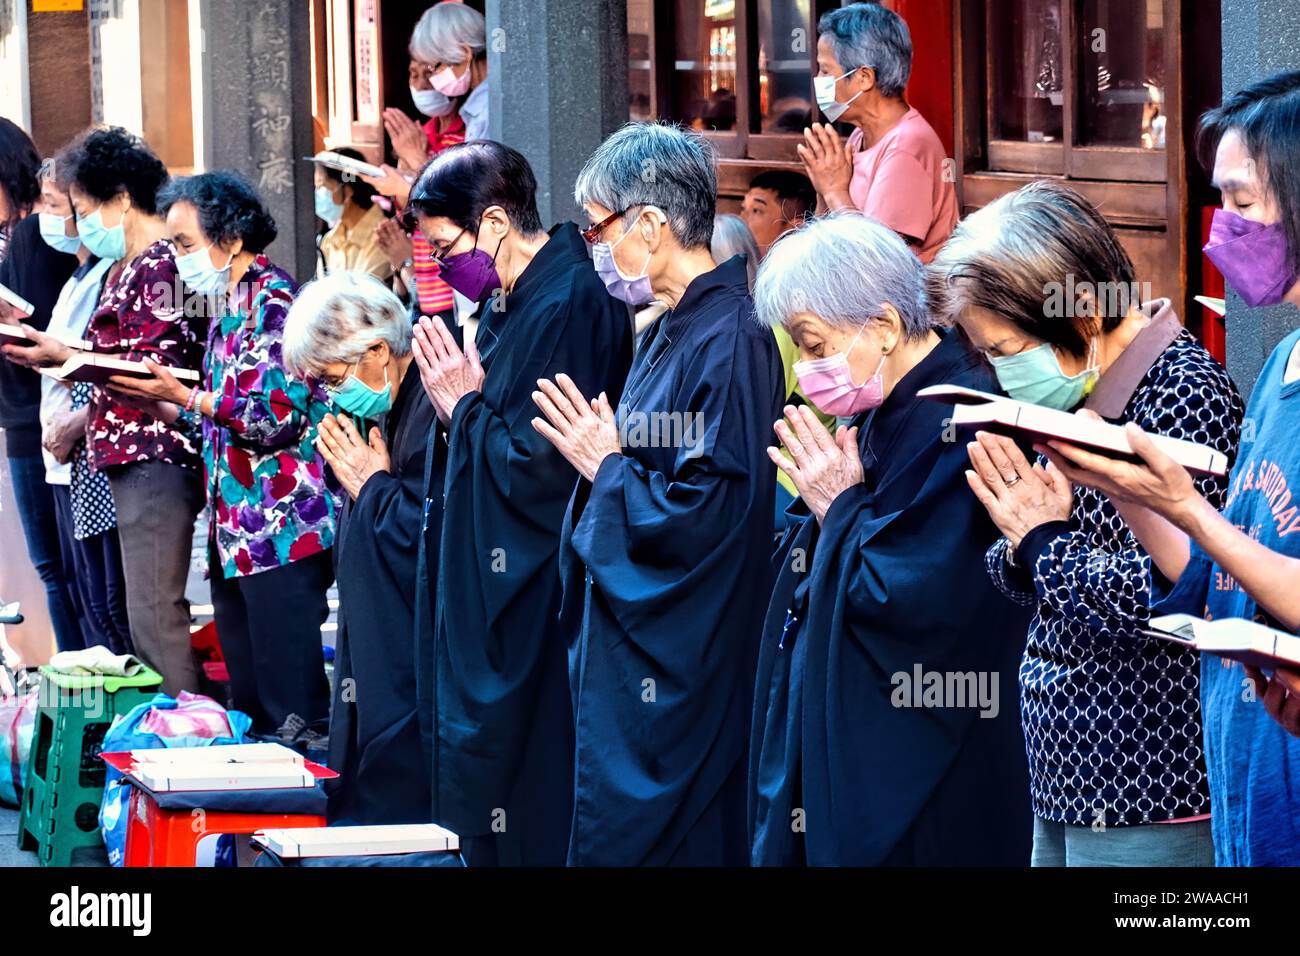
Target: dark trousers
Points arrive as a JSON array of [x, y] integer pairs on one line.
[[269, 626], [68, 562], [37, 511], [103, 591], [156, 506]]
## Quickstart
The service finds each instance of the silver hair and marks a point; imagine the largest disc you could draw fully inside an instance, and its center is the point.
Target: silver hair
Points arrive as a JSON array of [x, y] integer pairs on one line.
[[868, 34], [337, 317], [842, 268], [655, 164], [732, 237], [443, 29]]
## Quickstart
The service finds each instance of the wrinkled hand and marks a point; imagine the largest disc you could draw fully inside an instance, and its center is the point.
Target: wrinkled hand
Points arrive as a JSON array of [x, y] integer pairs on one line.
[[447, 373], [352, 458], [408, 139], [162, 387], [1158, 482], [1280, 695], [46, 352], [1018, 496], [392, 183], [821, 466], [829, 163], [394, 241], [585, 433], [62, 434]]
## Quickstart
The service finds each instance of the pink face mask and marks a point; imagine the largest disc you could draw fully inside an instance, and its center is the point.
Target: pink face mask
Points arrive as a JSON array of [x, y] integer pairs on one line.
[[446, 82], [828, 384]]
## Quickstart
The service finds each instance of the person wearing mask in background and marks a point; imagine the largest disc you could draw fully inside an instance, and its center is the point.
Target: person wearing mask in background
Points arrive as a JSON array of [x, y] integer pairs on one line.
[[664, 551], [878, 580], [88, 566], [33, 269], [98, 556], [450, 40], [502, 739], [1243, 561], [776, 202], [153, 461], [893, 166], [352, 333], [270, 506], [346, 205], [1111, 717]]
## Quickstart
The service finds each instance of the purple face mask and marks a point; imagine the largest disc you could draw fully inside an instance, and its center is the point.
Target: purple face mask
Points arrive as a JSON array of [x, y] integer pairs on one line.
[[473, 274], [1252, 256]]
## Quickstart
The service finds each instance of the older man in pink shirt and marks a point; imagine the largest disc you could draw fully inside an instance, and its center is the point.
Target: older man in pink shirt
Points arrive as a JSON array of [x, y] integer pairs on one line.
[[893, 166]]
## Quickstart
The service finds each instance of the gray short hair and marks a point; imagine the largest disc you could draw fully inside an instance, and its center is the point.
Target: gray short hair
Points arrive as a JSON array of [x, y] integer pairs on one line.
[[731, 237], [336, 318], [443, 29], [867, 34], [842, 268], [655, 164]]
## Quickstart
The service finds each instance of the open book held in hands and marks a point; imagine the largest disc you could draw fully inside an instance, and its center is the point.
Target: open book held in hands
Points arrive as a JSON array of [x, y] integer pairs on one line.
[[1234, 637], [99, 368], [9, 296], [14, 335], [997, 413]]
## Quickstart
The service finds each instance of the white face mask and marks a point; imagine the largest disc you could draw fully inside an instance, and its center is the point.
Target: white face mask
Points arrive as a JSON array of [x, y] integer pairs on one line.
[[824, 88], [430, 102]]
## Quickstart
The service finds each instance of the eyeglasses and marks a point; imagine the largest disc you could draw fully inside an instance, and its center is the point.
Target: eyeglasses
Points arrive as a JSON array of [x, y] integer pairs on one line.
[[332, 389], [592, 233], [439, 254]]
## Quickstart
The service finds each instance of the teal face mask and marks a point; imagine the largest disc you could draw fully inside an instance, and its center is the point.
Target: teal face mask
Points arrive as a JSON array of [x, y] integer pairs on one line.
[[1035, 376], [101, 240], [357, 398]]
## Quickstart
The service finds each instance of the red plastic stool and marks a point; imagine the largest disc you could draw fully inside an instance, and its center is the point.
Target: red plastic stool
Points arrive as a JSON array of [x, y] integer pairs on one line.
[[159, 836]]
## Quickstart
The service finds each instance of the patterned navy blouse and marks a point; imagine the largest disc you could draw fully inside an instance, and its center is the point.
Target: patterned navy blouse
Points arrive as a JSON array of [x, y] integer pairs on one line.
[[1111, 717]]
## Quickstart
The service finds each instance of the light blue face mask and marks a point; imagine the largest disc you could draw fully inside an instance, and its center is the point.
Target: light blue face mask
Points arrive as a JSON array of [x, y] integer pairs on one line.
[[1035, 376], [327, 208], [107, 242], [357, 398], [53, 232], [198, 273]]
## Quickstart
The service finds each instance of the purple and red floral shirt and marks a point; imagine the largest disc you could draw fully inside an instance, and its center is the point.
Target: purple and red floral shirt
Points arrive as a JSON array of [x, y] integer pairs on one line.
[[145, 312], [271, 500]]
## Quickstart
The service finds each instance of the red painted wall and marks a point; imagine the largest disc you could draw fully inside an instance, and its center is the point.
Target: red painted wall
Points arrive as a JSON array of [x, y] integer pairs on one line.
[[931, 88]]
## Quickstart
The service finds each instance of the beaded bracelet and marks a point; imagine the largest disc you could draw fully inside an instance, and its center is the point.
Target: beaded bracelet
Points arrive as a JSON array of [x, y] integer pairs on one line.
[[192, 399]]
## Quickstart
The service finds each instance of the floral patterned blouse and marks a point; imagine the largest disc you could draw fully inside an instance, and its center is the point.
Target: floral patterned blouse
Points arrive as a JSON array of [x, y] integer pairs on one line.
[[271, 499], [145, 312]]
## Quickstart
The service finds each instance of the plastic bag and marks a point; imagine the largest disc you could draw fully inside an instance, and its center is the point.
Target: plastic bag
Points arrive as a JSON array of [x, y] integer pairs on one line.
[[189, 720], [17, 722]]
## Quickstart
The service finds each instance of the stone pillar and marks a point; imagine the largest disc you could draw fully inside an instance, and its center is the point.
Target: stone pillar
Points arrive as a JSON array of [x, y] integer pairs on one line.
[[1260, 37], [558, 75], [255, 111]]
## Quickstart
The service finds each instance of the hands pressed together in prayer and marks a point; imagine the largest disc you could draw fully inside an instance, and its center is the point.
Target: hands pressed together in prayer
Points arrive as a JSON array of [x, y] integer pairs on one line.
[[822, 466], [828, 160], [353, 458], [1017, 495], [447, 373], [585, 432]]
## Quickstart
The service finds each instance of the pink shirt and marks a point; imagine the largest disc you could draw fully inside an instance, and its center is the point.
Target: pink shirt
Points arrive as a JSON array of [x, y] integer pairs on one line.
[[904, 180]]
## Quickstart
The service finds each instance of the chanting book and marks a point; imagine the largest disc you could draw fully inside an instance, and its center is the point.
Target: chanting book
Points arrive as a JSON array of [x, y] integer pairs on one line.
[[1234, 637], [99, 368], [383, 840], [25, 308], [346, 164], [14, 335], [997, 413]]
